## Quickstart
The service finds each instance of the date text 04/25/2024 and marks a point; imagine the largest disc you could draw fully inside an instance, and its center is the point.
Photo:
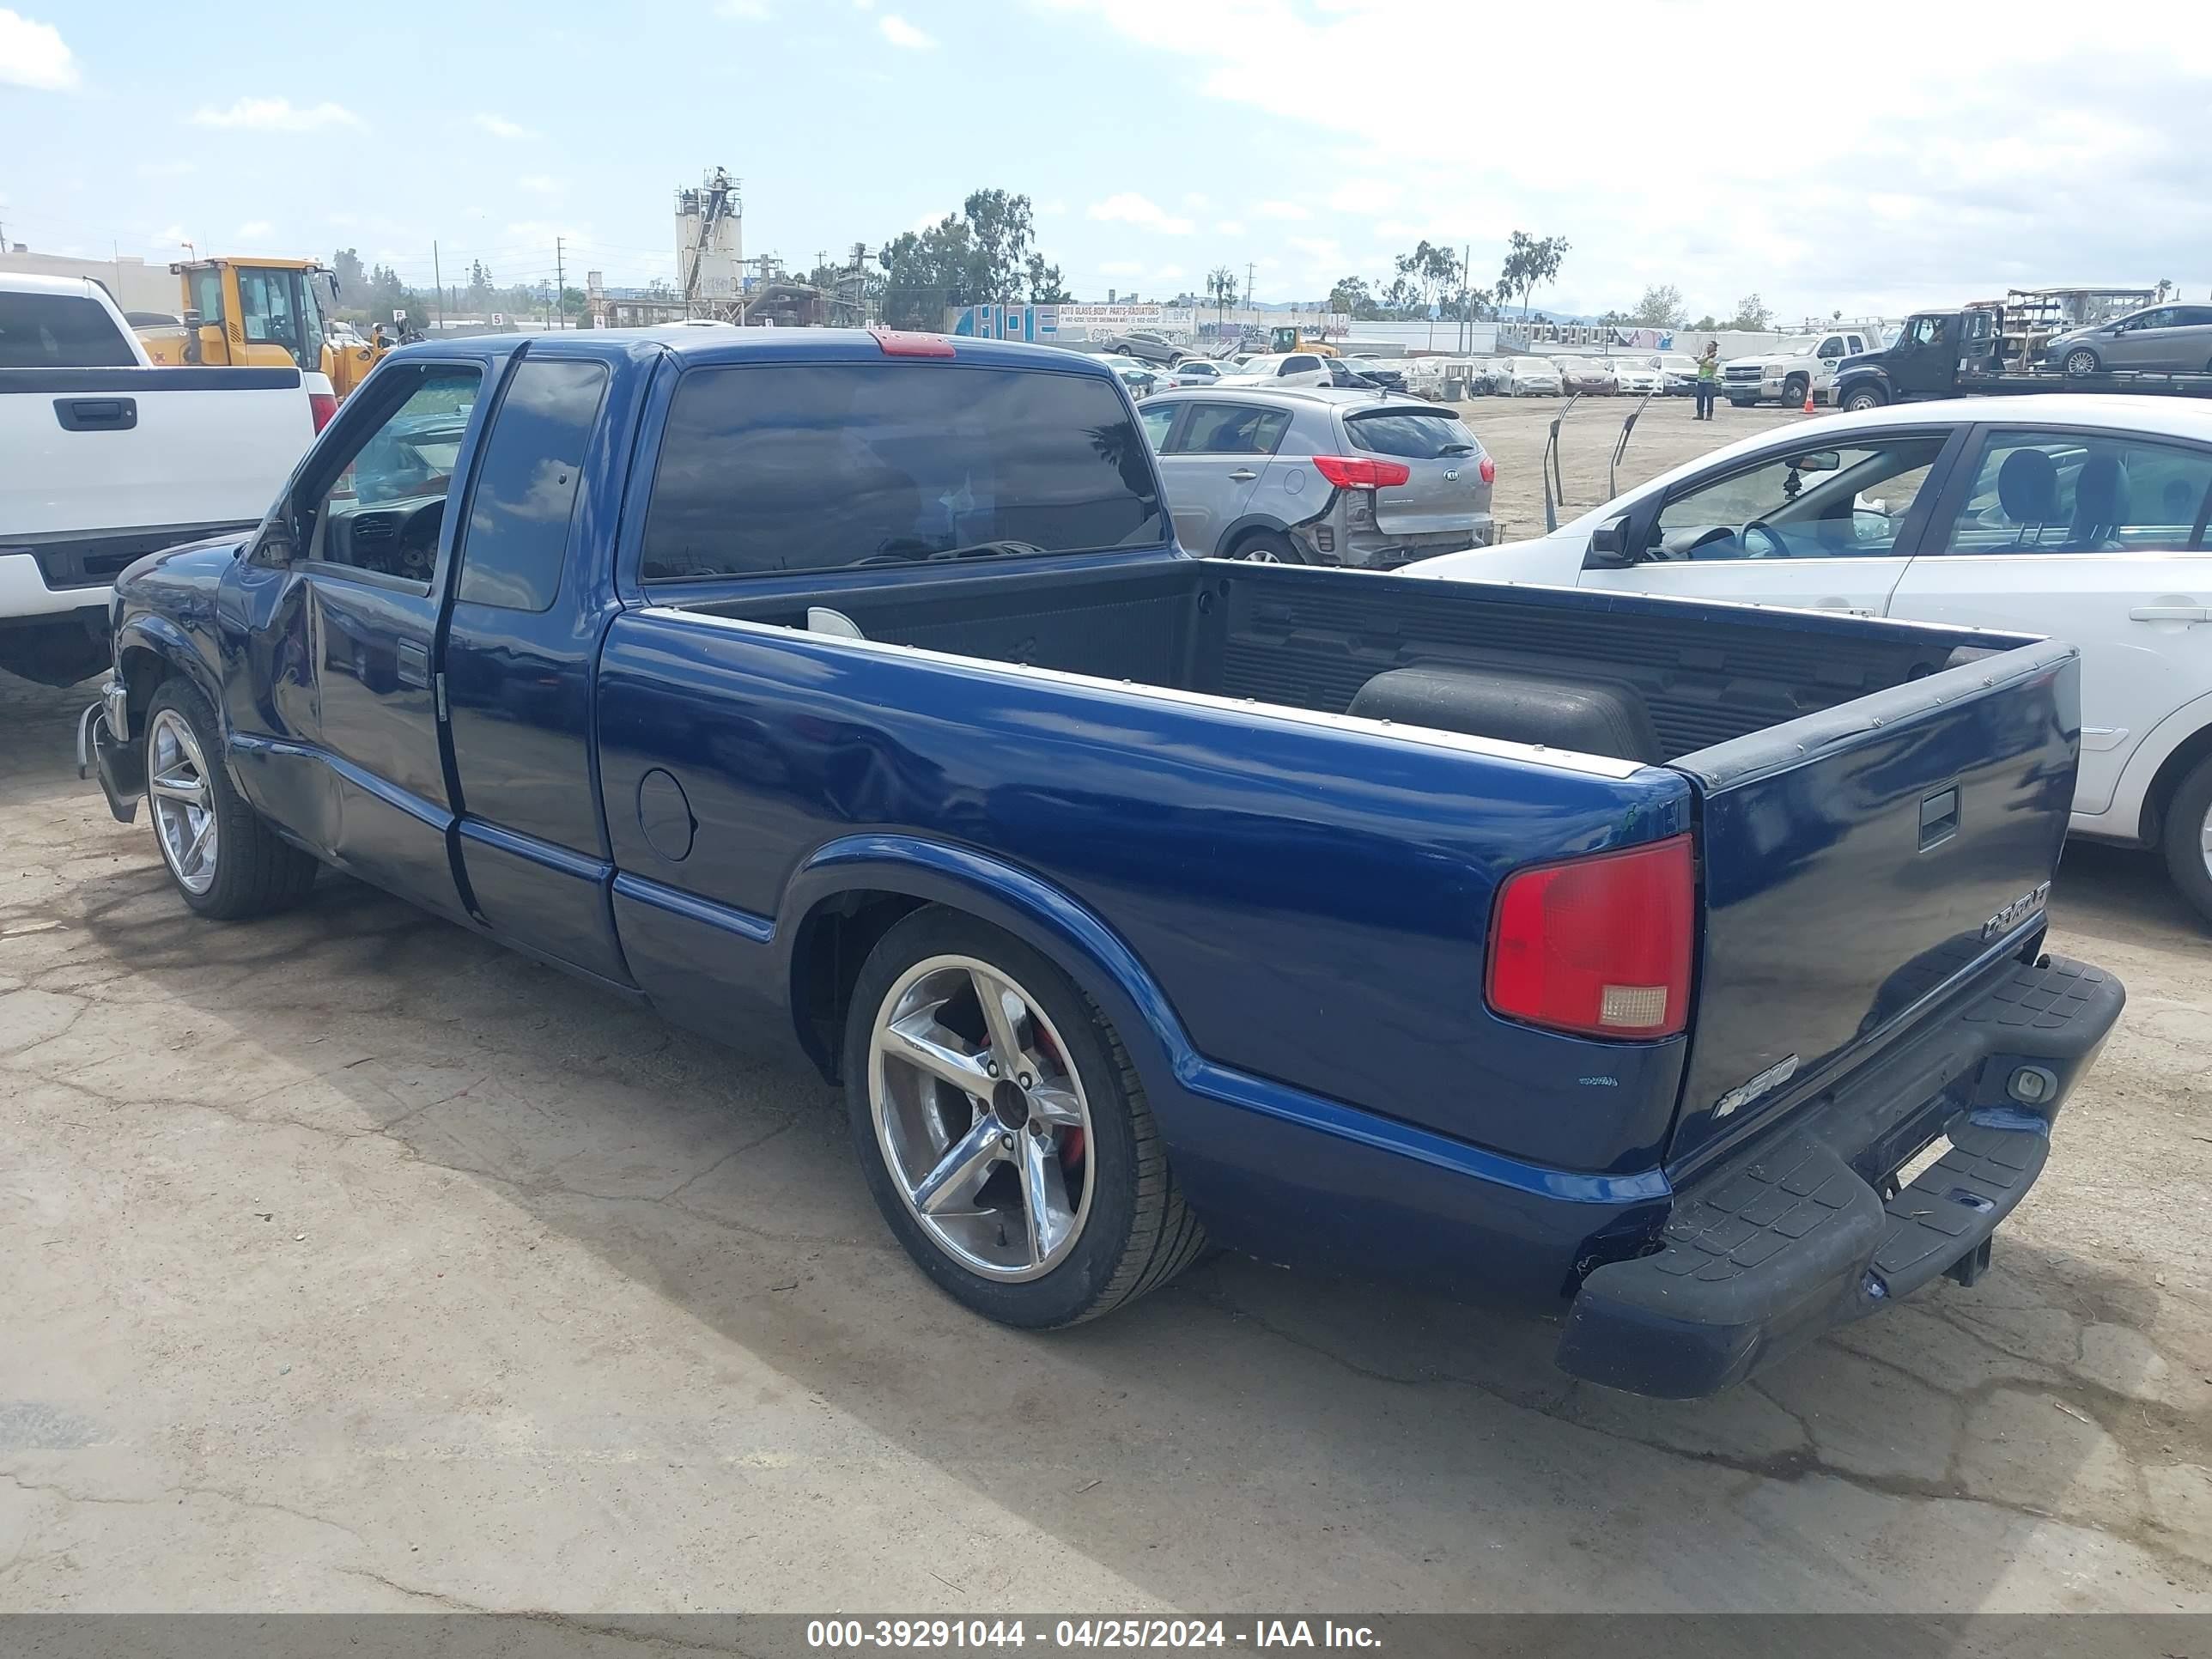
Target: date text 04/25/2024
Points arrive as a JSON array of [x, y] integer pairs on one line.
[[996, 1635]]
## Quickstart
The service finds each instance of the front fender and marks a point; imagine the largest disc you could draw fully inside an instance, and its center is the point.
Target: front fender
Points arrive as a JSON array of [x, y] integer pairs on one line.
[[1847, 379], [149, 647], [1071, 935]]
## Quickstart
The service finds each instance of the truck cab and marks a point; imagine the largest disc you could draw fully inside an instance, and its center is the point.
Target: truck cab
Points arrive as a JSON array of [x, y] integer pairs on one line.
[[261, 314]]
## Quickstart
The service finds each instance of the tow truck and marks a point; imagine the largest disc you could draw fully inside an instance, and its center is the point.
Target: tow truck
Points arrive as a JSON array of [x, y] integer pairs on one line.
[[1980, 348]]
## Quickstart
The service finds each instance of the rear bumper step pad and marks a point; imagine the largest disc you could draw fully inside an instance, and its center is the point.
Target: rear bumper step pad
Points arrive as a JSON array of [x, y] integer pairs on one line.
[[1790, 1240]]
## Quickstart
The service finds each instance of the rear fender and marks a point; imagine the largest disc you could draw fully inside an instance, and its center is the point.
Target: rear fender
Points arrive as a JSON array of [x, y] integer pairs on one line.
[[2130, 808], [1073, 936]]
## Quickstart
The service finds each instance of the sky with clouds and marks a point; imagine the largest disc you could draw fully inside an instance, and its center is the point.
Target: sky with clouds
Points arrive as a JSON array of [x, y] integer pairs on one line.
[[1909, 155]]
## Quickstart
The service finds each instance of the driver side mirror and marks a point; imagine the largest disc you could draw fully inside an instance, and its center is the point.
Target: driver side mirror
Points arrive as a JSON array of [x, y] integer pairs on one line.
[[1608, 546], [277, 544]]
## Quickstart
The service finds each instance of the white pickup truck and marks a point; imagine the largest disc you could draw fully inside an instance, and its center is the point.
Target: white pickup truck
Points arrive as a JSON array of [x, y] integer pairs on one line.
[[1800, 366], [104, 457]]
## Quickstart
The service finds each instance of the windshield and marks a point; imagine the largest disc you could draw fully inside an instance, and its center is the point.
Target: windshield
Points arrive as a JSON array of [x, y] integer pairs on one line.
[[813, 466]]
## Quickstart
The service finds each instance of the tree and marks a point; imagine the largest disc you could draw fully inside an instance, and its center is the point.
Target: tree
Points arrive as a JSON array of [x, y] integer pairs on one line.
[[1660, 307], [980, 258], [1705, 324], [1751, 316], [1000, 228], [1428, 273], [1221, 290], [1046, 286], [1352, 298], [2165, 288], [345, 266], [1530, 262]]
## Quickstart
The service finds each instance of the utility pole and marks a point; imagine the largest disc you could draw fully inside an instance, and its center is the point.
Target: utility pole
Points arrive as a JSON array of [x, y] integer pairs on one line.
[[438, 281], [1466, 310], [560, 286]]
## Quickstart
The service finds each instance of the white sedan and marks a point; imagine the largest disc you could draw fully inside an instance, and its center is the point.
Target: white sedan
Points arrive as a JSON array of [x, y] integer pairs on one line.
[[2080, 518], [1636, 377]]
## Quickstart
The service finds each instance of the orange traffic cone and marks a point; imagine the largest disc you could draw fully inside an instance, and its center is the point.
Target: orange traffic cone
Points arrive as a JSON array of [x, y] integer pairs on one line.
[[1808, 400]]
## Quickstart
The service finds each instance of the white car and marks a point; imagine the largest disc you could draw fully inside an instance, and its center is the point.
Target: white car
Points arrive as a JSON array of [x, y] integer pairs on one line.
[[1678, 370], [1285, 369], [2080, 518], [1635, 377], [1528, 377]]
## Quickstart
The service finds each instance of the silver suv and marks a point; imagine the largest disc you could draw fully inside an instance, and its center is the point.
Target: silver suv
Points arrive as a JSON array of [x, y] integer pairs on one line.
[[1318, 475]]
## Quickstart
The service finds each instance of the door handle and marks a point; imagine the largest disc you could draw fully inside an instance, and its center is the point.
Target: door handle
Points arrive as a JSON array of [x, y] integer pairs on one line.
[[1243, 475], [2180, 613], [414, 663], [96, 414], [1839, 604]]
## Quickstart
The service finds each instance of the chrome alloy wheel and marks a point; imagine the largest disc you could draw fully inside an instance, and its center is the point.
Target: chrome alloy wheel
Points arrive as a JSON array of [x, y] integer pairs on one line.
[[184, 801], [981, 1122], [2204, 840]]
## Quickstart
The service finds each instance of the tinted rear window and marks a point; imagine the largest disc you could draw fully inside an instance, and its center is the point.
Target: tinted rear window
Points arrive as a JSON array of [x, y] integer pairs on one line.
[[1417, 434], [813, 466], [56, 331]]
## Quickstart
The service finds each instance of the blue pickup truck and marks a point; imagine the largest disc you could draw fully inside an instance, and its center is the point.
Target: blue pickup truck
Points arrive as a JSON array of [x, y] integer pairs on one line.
[[1677, 968]]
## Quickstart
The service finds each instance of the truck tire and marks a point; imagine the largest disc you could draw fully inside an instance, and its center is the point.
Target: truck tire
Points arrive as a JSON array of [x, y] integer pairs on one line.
[[224, 859], [2080, 363], [1794, 392], [968, 1138], [2187, 841], [1865, 395], [1267, 547]]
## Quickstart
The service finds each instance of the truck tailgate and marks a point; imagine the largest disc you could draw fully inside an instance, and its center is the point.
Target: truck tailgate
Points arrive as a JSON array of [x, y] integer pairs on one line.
[[1859, 862]]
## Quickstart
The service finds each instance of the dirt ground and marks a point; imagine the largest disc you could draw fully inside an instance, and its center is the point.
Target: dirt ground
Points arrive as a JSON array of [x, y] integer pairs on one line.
[[1513, 430], [348, 1262]]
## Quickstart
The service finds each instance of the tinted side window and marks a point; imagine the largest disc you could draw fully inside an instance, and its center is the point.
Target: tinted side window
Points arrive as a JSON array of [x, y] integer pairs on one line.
[[1231, 429], [2081, 492], [817, 466], [1298, 365], [58, 331], [525, 492]]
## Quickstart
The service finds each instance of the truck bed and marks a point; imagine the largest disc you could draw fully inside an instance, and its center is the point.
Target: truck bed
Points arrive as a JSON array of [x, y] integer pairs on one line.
[[1313, 640], [1866, 796]]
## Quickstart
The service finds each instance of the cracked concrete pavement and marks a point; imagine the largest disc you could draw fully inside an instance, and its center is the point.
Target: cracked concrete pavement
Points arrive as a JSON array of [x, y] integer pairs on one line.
[[348, 1263]]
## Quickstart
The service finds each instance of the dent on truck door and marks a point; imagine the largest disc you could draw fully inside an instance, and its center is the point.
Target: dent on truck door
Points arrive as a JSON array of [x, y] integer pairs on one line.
[[372, 540], [528, 611]]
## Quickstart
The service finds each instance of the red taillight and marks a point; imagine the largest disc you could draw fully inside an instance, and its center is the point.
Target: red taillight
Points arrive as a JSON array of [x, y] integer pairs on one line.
[[1599, 946], [902, 343], [1488, 471], [1361, 471], [322, 405]]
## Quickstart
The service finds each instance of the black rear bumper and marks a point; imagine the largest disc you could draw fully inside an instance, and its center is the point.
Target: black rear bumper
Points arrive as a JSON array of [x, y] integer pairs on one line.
[[1793, 1238]]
